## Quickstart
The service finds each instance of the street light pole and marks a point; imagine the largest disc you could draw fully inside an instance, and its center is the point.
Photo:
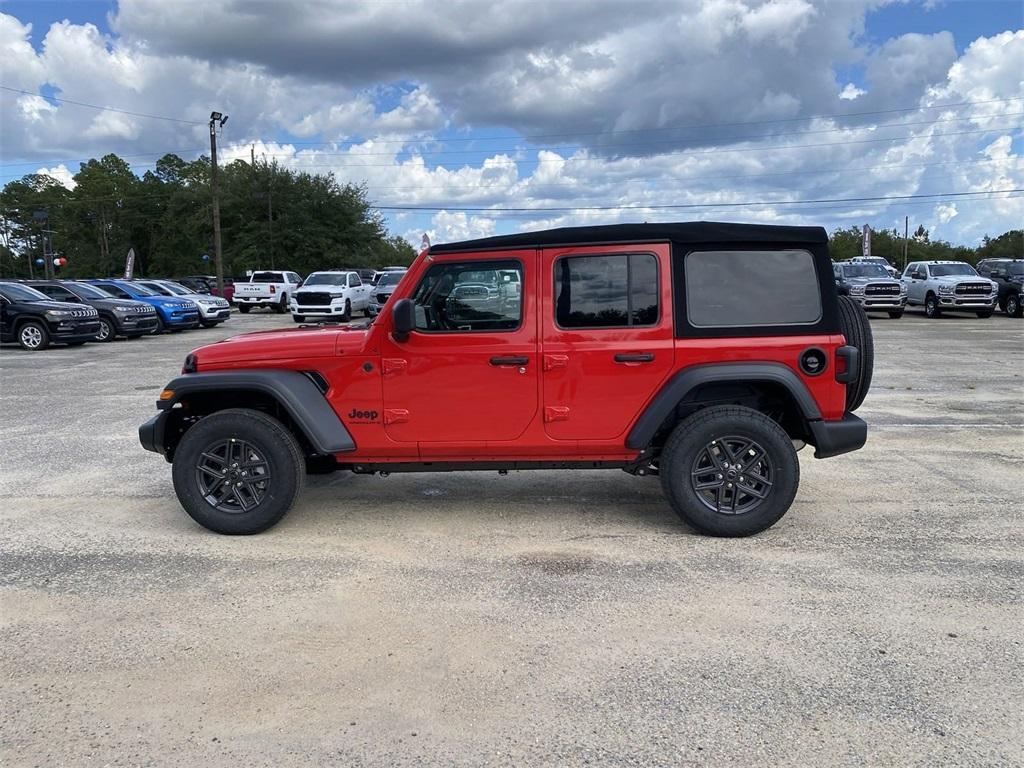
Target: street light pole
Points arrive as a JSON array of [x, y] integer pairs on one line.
[[216, 119]]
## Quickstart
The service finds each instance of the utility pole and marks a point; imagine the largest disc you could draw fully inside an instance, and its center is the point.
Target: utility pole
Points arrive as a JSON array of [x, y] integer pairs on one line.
[[906, 236], [216, 120]]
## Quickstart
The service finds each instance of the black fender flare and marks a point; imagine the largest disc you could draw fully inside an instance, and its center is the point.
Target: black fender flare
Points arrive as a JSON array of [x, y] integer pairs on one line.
[[293, 391], [684, 382]]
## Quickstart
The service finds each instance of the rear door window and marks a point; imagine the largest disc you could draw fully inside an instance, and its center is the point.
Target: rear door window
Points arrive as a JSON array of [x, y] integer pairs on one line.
[[613, 291], [745, 288]]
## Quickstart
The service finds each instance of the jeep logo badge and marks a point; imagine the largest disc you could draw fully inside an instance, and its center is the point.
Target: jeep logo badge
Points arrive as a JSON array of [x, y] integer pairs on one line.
[[356, 415]]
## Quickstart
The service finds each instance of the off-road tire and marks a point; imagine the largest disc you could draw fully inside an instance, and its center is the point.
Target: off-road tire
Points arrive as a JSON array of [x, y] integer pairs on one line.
[[277, 447], [687, 445], [896, 315], [108, 331], [244, 308], [299, 318], [984, 315], [1013, 305], [33, 336], [932, 309], [855, 326]]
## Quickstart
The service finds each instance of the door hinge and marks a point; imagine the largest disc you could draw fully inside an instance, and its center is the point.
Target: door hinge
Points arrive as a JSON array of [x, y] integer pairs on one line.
[[395, 415], [393, 364], [556, 413], [551, 362]]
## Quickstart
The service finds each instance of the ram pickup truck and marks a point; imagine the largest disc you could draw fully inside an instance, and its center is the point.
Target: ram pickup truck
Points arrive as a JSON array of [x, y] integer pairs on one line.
[[332, 294], [266, 288]]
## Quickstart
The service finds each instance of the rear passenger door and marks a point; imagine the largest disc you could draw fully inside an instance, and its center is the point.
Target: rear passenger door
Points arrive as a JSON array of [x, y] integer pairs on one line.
[[607, 337]]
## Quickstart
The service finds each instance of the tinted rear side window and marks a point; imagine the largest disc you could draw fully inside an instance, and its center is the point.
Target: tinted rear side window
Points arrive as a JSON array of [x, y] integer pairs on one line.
[[746, 288], [614, 291]]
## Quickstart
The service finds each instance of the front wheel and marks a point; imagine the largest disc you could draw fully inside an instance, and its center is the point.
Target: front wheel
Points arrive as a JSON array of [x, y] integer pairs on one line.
[[729, 471], [1013, 305], [33, 336], [299, 318], [347, 315], [161, 326], [107, 330], [984, 315], [896, 314], [932, 308], [238, 471]]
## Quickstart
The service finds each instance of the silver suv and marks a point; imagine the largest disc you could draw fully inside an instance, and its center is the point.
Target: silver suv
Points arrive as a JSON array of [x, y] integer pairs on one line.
[[949, 286], [870, 286]]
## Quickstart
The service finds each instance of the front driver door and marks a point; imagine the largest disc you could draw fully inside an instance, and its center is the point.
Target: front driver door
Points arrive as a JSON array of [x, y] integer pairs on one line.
[[468, 373]]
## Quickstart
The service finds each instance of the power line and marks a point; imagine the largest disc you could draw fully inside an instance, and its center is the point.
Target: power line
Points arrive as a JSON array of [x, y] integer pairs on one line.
[[100, 107]]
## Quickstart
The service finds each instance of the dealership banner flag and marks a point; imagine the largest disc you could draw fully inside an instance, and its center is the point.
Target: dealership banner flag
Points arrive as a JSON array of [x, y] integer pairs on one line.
[[129, 264]]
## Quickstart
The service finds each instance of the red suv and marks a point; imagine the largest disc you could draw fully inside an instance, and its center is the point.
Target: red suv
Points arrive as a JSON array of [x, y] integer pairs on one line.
[[706, 354]]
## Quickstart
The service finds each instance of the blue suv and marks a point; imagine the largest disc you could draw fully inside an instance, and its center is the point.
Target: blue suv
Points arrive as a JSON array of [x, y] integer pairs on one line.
[[173, 313]]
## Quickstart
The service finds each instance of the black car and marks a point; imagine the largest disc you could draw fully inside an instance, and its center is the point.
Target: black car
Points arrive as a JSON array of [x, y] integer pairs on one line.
[[1009, 274], [34, 320], [118, 317]]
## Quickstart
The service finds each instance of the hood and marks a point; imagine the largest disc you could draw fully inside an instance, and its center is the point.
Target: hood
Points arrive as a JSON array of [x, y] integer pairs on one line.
[[57, 306], [264, 346], [111, 303], [164, 300], [962, 279], [866, 280]]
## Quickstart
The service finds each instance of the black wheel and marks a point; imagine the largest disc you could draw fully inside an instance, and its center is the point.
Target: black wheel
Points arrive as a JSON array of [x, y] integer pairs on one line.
[[107, 330], [244, 308], [299, 318], [729, 471], [348, 312], [282, 306], [896, 314], [207, 324], [854, 324], [931, 307], [161, 326], [1013, 305], [238, 471], [33, 336], [984, 315]]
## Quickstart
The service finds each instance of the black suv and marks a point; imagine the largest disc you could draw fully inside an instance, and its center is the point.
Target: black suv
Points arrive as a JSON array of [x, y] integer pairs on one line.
[[118, 317], [34, 320], [1009, 274]]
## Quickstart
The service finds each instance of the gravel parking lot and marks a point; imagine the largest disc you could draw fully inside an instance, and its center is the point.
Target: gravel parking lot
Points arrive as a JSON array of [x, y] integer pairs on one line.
[[549, 617]]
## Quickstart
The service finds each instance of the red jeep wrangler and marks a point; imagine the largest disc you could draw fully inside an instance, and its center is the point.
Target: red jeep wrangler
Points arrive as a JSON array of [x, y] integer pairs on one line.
[[703, 353]]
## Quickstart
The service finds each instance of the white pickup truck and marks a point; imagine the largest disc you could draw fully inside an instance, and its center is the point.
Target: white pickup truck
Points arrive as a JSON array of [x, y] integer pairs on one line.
[[336, 294], [266, 288]]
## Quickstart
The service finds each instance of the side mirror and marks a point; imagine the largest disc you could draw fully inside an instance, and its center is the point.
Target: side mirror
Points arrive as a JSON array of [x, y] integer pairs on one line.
[[403, 316]]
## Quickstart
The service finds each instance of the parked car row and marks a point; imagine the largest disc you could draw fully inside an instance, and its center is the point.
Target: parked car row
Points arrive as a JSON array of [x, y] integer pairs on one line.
[[334, 293], [36, 313], [935, 286]]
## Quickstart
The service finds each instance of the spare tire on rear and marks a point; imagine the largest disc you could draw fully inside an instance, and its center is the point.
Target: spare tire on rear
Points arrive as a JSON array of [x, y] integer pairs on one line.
[[854, 325]]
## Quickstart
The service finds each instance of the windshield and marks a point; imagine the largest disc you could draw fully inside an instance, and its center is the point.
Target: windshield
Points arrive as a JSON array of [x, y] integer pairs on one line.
[[267, 277], [326, 278], [176, 288], [1016, 268], [390, 278], [156, 288], [16, 292], [84, 291], [141, 290], [948, 270], [874, 260], [864, 270]]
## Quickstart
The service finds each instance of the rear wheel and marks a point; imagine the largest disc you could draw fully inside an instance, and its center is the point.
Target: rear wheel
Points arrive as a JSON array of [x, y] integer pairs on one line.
[[238, 471], [244, 308], [729, 471], [107, 330], [282, 306], [33, 336], [931, 307], [855, 326], [1013, 305]]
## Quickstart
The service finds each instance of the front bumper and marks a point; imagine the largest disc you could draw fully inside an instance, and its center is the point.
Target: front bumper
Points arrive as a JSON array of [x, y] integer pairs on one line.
[[182, 318], [831, 438], [336, 307], [968, 302], [151, 434], [881, 302], [215, 314], [74, 330], [129, 325]]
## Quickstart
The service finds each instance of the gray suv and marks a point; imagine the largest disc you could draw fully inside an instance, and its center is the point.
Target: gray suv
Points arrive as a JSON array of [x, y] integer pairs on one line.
[[870, 286], [949, 286]]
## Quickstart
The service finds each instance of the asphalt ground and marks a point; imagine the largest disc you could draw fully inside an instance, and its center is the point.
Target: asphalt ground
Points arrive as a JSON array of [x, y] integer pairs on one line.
[[560, 618]]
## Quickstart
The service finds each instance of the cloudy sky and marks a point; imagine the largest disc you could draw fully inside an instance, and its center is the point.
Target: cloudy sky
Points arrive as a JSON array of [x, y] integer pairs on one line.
[[467, 118]]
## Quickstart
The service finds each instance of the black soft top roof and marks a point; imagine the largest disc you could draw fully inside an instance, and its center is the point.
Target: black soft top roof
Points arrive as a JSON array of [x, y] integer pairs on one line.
[[684, 233]]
